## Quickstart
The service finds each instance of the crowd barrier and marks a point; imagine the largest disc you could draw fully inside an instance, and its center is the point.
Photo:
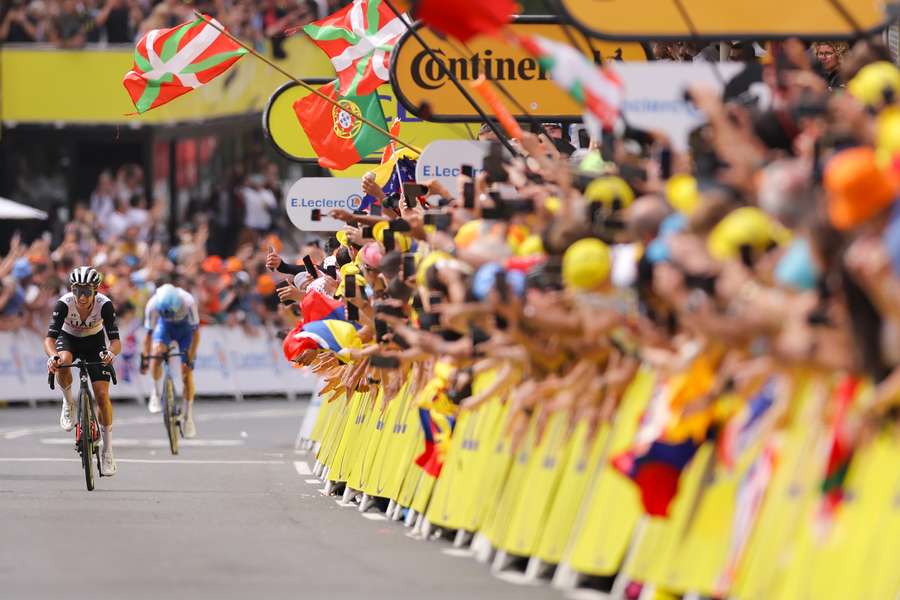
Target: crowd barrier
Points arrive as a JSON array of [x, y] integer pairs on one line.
[[556, 508], [230, 362]]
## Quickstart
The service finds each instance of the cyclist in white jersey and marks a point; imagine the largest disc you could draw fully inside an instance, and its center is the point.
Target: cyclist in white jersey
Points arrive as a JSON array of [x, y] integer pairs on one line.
[[171, 315], [76, 331]]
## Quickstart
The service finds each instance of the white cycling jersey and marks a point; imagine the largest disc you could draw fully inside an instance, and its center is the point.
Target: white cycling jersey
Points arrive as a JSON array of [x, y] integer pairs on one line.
[[66, 318], [189, 313]]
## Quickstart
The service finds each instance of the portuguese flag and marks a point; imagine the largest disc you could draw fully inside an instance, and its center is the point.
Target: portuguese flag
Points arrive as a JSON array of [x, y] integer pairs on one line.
[[339, 137], [172, 62]]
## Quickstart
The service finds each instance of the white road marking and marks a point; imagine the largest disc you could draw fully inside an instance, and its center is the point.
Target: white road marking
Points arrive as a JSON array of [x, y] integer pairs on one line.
[[312, 481], [458, 552], [515, 578], [153, 443], [374, 516], [154, 461], [263, 413], [302, 467]]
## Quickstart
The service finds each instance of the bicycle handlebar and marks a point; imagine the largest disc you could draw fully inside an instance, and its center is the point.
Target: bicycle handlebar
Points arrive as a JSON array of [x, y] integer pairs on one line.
[[82, 364]]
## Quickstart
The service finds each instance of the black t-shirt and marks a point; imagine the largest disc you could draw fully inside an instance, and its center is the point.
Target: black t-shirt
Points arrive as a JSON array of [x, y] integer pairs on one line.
[[118, 30], [18, 34]]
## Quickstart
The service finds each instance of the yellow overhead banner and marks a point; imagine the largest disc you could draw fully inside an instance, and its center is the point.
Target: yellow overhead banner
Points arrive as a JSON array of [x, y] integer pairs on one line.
[[716, 20], [45, 85], [418, 80], [283, 130]]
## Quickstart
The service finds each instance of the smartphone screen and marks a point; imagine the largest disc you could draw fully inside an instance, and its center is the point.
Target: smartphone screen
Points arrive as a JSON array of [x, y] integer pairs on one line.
[[350, 286], [409, 265], [310, 267], [352, 313], [469, 195], [466, 170], [283, 284], [665, 163], [388, 240], [411, 189], [385, 362], [367, 232], [316, 214], [331, 270]]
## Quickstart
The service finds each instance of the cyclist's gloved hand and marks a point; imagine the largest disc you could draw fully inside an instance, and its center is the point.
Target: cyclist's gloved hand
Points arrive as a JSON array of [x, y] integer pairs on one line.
[[107, 357], [52, 362], [145, 364], [189, 364]]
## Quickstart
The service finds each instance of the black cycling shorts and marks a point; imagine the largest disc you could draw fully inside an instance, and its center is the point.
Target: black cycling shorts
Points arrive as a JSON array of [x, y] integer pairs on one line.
[[86, 348]]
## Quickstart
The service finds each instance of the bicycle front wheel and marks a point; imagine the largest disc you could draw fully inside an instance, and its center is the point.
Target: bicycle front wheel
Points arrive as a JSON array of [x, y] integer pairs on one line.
[[169, 417], [87, 438]]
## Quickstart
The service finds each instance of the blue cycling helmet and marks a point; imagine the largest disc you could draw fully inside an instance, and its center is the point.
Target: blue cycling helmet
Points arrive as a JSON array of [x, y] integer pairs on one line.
[[168, 301]]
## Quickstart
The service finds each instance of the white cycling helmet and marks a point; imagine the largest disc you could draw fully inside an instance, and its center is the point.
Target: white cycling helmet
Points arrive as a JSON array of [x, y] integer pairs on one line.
[[85, 276]]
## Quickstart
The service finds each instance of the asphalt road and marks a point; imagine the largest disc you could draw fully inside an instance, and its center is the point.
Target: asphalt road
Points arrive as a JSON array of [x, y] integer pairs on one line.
[[232, 516]]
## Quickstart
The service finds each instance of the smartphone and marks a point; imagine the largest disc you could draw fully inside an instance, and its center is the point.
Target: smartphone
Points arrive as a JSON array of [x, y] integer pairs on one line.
[[350, 286], [523, 205], [392, 201], [310, 267], [411, 190], [316, 214], [352, 312], [389, 309], [283, 284], [665, 163], [435, 298], [381, 330], [331, 271], [400, 225], [409, 265], [367, 232], [384, 362], [493, 214], [466, 170], [388, 240], [440, 220], [469, 195]]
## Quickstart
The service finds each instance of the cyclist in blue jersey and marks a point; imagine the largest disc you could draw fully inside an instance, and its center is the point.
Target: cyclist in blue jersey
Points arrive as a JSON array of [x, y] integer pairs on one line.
[[171, 315]]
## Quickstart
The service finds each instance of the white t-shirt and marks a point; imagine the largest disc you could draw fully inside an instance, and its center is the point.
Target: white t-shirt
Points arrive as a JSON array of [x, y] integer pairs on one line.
[[258, 203]]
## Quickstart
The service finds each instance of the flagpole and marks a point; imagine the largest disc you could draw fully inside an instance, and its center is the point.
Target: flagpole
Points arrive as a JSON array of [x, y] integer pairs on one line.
[[446, 70], [302, 83]]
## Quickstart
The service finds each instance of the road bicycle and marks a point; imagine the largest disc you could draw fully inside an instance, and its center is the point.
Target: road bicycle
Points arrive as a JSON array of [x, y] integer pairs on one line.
[[87, 431], [169, 402]]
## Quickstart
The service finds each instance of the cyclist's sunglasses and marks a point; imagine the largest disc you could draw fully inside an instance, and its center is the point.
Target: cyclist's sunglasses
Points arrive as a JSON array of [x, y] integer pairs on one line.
[[83, 290]]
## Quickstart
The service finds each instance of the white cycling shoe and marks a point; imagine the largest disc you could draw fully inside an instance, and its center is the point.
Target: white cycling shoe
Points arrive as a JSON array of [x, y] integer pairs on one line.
[[188, 427], [154, 405], [107, 463], [67, 416]]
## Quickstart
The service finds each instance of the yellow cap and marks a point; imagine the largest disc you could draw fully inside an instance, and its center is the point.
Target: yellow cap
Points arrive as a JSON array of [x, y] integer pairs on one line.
[[607, 190], [586, 264], [552, 204], [876, 84], [468, 234], [530, 246], [426, 263], [745, 226], [342, 238], [682, 194]]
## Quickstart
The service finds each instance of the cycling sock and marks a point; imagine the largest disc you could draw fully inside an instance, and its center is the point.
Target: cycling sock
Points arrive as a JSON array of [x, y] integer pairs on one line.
[[157, 385], [67, 394], [106, 436]]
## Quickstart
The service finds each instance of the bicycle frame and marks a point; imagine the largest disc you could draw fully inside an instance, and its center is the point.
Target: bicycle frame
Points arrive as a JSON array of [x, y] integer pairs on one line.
[[171, 417], [85, 444]]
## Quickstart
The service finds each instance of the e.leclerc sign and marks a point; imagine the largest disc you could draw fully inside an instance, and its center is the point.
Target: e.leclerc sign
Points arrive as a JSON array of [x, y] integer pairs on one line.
[[324, 194], [443, 160]]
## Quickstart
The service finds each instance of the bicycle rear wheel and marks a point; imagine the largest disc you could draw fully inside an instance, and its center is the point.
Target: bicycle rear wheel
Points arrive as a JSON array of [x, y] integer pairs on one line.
[[169, 414], [87, 437]]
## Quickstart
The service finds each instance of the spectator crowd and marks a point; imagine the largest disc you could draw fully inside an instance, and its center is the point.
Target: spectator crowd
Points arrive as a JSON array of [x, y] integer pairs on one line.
[[218, 255], [74, 23]]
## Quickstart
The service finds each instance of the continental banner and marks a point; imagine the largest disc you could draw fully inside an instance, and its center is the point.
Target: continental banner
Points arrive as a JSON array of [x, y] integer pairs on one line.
[[419, 81], [283, 130], [717, 20]]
